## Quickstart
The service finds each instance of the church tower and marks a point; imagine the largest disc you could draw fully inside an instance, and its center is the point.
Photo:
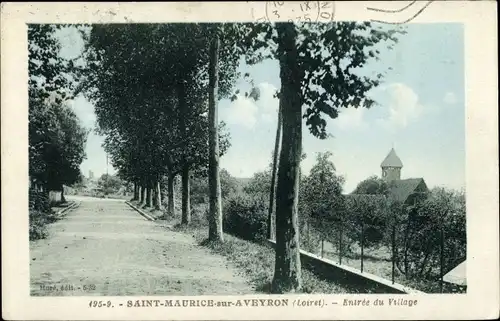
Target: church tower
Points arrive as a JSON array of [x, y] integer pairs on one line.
[[391, 167]]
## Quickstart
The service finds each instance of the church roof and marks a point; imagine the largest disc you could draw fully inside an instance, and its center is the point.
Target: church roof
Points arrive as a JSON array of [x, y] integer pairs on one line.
[[392, 160], [400, 190]]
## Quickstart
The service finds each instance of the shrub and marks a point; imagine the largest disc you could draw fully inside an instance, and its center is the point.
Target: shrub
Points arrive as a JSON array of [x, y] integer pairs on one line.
[[199, 190], [259, 185], [368, 213], [419, 233], [109, 184], [38, 225], [245, 216], [199, 215], [39, 201], [40, 214]]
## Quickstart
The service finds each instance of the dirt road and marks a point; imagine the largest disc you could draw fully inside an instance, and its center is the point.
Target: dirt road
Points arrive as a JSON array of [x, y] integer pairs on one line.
[[104, 247]]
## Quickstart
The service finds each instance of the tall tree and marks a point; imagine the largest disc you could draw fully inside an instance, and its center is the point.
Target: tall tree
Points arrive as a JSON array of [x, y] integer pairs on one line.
[[274, 176], [215, 215], [56, 137], [321, 199], [287, 270], [319, 69]]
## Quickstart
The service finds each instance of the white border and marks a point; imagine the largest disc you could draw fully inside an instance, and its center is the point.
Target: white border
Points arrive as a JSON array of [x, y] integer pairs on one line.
[[482, 298]]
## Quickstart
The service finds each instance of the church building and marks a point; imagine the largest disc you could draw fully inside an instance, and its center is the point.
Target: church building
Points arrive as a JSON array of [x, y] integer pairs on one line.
[[403, 190]]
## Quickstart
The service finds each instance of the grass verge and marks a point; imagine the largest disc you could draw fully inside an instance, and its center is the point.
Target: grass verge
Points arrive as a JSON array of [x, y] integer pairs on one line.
[[39, 219], [255, 262], [157, 214]]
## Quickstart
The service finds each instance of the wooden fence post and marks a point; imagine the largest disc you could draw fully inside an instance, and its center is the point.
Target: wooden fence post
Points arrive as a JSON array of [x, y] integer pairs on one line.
[[441, 259], [340, 241], [393, 241], [362, 241]]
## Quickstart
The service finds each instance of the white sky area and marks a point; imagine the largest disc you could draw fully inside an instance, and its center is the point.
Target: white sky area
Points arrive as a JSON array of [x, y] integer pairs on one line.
[[420, 112]]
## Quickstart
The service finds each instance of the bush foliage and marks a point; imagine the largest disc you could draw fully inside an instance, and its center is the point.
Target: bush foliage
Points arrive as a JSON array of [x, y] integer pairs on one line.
[[421, 228], [245, 216], [40, 214]]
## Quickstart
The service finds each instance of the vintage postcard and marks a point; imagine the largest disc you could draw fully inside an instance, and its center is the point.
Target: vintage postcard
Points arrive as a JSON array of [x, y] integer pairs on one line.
[[279, 160]]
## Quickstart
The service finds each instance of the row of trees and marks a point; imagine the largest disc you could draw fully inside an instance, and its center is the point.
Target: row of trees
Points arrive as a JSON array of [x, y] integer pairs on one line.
[[153, 111], [156, 87], [56, 137]]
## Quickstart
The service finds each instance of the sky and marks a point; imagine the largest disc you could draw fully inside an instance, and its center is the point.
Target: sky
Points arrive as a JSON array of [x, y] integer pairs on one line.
[[420, 112]]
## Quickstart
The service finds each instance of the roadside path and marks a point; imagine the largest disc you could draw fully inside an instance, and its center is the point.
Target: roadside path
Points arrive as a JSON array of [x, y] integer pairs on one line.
[[107, 245]]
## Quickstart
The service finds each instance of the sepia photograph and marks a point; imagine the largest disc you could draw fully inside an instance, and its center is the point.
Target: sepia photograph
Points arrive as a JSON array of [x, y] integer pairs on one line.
[[303, 159], [192, 158]]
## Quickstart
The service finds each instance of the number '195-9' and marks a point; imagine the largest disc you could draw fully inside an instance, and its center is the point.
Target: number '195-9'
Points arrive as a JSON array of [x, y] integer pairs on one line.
[[99, 304]]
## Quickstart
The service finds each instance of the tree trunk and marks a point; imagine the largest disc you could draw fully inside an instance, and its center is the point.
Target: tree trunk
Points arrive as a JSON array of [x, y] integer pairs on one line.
[[341, 230], [186, 204], [171, 205], [441, 257], [406, 249], [424, 263], [393, 250], [149, 195], [154, 197], [272, 194], [63, 199], [158, 196], [308, 232], [136, 192], [215, 210], [287, 271], [362, 241], [143, 194], [186, 209]]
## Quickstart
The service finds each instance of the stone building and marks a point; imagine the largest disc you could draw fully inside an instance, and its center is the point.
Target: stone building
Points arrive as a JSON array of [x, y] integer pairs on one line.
[[403, 190]]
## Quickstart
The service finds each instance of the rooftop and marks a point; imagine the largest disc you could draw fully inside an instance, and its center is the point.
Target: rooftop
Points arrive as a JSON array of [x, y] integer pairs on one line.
[[392, 160], [400, 190]]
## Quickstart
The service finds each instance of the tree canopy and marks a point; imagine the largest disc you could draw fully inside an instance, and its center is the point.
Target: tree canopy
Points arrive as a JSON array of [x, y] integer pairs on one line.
[[56, 137], [148, 105], [373, 185]]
